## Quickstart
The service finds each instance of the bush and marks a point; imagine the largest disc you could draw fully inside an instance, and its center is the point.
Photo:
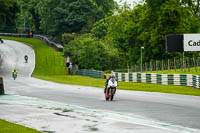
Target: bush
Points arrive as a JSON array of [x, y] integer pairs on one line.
[[67, 37], [91, 53]]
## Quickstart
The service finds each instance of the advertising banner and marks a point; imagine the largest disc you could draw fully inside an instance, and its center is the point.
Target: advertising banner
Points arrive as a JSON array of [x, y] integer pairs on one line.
[[191, 42]]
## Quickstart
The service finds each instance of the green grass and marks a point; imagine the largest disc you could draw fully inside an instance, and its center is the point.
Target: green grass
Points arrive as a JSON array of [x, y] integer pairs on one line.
[[179, 71], [160, 88], [7, 127], [87, 81], [50, 66]]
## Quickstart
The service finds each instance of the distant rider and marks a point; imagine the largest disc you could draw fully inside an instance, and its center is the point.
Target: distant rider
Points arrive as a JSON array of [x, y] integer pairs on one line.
[[106, 83], [14, 71], [1, 40], [26, 58]]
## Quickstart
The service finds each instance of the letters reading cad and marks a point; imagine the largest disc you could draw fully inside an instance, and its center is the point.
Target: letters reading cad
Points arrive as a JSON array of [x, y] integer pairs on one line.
[[191, 43]]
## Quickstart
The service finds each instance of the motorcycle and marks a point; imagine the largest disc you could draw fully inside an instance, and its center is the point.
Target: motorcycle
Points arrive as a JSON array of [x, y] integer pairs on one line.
[[14, 76], [1, 40], [26, 58], [111, 89]]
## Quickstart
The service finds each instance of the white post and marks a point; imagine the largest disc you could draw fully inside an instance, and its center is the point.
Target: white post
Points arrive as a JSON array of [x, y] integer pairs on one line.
[[141, 58], [183, 62]]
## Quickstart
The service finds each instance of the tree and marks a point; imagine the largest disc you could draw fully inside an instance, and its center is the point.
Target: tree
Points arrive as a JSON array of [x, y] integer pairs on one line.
[[103, 8], [91, 53], [67, 16], [147, 25], [170, 18], [100, 28], [33, 9], [47, 15], [55, 17], [8, 11], [67, 37], [193, 5]]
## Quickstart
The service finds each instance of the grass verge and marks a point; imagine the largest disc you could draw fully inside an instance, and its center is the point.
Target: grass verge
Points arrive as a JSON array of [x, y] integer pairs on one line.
[[7, 127], [179, 71], [50, 66], [87, 81]]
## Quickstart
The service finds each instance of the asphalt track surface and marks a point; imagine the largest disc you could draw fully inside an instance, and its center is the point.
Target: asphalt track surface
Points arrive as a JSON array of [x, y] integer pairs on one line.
[[180, 110]]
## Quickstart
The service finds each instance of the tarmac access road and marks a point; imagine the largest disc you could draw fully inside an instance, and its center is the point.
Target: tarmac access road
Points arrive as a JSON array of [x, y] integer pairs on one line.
[[61, 108]]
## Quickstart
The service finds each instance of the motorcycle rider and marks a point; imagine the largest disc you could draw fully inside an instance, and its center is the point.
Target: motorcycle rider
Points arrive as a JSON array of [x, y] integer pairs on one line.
[[106, 83], [1, 40], [14, 71], [26, 58]]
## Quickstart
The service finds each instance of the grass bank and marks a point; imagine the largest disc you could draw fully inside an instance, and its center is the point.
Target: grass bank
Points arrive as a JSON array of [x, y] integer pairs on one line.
[[48, 61], [50, 66], [7, 127], [179, 71]]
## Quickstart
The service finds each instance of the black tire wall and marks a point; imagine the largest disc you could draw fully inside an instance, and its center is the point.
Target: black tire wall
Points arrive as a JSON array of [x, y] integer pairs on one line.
[[1, 86]]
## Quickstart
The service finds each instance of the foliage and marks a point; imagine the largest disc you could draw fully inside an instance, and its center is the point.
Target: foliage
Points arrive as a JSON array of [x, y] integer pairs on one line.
[[67, 37], [147, 25], [8, 11], [192, 5], [53, 17], [120, 33], [144, 25], [91, 53], [67, 16], [104, 8], [33, 10], [100, 28]]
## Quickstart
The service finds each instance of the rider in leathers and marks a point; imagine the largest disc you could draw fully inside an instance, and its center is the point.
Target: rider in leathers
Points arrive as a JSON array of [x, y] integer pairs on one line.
[[106, 83], [14, 71]]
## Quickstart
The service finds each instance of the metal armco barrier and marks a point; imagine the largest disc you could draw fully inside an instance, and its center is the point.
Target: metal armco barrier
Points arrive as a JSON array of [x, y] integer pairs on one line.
[[1, 86], [57, 47], [15, 35], [90, 73], [163, 79]]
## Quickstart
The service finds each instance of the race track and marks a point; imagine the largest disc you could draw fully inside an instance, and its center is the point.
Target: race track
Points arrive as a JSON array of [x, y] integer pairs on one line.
[[131, 111]]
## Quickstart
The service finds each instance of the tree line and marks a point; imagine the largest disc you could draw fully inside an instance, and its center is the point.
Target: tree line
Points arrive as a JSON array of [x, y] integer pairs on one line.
[[98, 34]]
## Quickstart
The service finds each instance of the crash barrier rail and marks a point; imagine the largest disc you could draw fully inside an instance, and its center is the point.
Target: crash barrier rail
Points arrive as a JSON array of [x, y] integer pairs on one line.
[[1, 86], [56, 46], [90, 73], [163, 79], [15, 35]]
